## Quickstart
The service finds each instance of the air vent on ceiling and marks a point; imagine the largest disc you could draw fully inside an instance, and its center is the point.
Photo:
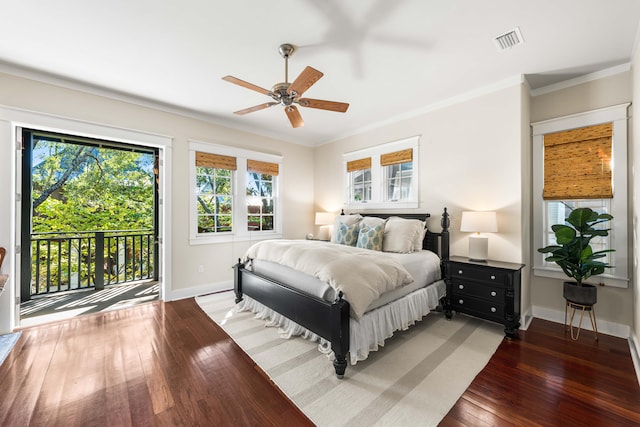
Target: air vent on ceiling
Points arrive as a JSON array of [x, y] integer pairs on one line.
[[509, 39]]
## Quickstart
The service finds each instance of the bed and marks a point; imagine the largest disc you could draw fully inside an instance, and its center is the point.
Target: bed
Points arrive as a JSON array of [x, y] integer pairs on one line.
[[298, 303]]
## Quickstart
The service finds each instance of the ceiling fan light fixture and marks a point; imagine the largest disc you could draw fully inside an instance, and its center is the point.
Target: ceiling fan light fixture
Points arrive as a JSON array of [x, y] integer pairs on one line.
[[286, 94]]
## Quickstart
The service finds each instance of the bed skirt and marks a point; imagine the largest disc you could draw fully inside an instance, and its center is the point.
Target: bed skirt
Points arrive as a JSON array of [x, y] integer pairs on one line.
[[366, 334]]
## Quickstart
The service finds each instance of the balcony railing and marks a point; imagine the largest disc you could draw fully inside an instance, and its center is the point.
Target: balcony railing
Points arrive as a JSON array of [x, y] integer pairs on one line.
[[92, 259]]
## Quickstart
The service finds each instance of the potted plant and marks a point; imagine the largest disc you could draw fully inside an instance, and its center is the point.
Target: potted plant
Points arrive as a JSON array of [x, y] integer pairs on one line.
[[573, 253]]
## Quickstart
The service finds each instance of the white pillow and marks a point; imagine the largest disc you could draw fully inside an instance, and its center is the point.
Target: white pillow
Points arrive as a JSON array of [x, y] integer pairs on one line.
[[344, 219], [373, 221], [403, 235]]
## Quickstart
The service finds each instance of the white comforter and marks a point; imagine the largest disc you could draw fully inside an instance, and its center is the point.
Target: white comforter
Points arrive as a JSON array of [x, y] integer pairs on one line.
[[361, 274]]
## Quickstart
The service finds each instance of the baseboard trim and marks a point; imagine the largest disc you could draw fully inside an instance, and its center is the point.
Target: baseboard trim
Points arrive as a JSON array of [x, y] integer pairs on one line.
[[208, 288], [634, 347], [526, 319], [604, 326]]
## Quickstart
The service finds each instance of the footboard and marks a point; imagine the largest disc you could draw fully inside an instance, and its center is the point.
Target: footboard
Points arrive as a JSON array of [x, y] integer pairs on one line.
[[328, 320]]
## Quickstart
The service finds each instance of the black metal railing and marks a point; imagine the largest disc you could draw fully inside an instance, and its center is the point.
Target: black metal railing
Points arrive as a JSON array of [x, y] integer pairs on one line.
[[90, 259]]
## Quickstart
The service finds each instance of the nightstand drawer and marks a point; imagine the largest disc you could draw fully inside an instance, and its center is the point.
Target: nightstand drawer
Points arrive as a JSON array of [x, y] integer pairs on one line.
[[486, 289], [486, 292], [493, 276], [485, 309]]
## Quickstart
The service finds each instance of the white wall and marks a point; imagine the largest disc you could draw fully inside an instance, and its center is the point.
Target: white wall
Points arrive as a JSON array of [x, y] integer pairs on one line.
[[634, 154], [615, 306], [471, 158], [297, 176]]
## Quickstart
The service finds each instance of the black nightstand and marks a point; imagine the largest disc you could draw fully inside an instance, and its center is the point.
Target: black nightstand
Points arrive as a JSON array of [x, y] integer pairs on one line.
[[489, 290]]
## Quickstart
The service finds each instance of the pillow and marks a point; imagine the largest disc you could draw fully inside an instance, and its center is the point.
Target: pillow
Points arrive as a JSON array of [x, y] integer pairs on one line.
[[347, 234], [372, 221], [403, 235], [343, 219], [370, 237]]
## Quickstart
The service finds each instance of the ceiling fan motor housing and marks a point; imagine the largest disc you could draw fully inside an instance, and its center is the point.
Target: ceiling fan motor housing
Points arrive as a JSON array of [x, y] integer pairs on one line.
[[279, 91]]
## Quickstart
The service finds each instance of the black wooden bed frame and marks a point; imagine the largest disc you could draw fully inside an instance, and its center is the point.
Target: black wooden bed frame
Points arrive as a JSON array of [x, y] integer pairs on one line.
[[326, 319]]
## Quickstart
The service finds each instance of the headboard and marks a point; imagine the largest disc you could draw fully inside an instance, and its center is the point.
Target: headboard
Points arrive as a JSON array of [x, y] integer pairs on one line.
[[435, 242]]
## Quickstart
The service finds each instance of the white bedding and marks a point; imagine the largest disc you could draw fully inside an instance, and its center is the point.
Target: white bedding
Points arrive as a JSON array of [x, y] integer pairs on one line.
[[369, 332], [394, 310], [423, 266], [362, 275]]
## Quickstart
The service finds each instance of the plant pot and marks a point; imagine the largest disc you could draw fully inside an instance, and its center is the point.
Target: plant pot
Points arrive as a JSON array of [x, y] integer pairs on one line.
[[583, 295]]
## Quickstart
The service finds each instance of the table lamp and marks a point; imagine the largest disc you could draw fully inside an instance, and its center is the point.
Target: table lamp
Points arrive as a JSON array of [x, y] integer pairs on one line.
[[325, 221], [478, 222]]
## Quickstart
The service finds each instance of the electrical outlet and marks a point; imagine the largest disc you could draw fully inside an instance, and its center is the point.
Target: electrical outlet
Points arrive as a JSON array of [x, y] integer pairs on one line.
[[201, 268]]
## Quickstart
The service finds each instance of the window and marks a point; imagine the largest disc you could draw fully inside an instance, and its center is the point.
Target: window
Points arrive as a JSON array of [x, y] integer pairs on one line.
[[359, 172], [398, 169], [384, 176], [574, 167], [235, 194], [260, 182], [214, 192]]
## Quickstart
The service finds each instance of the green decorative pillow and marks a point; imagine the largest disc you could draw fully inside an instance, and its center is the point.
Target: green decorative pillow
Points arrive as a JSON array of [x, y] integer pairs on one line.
[[347, 234], [370, 237]]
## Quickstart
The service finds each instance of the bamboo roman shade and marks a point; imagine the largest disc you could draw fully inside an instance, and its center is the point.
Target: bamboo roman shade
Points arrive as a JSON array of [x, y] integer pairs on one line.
[[208, 160], [577, 163], [266, 168], [397, 157], [357, 165]]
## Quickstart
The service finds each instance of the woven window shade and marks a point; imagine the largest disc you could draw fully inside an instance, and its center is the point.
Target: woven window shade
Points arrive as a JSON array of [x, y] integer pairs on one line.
[[397, 157], [266, 168], [208, 160], [577, 163], [358, 165]]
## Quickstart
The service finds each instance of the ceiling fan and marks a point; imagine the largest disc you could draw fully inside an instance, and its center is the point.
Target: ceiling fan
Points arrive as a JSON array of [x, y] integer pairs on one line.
[[287, 94]]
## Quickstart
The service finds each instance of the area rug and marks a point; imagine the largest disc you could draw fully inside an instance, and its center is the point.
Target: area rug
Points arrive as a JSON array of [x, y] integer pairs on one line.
[[7, 342], [414, 379]]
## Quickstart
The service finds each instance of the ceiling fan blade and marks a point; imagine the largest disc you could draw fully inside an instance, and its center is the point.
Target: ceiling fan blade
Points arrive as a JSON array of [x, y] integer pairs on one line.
[[294, 116], [305, 80], [255, 108], [340, 107], [248, 85]]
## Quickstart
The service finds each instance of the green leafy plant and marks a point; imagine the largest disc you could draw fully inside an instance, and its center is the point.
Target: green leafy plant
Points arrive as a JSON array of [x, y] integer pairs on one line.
[[573, 252]]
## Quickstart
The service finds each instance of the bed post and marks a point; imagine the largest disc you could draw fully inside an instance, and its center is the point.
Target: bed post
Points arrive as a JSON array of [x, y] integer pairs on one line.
[[237, 280], [340, 334], [445, 222]]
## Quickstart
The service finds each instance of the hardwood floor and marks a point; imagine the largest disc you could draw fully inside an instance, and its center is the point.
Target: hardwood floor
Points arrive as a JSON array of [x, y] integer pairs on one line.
[[154, 364], [543, 378], [169, 364]]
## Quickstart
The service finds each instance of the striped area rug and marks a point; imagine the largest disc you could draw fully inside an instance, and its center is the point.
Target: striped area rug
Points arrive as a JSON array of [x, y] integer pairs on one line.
[[414, 379]]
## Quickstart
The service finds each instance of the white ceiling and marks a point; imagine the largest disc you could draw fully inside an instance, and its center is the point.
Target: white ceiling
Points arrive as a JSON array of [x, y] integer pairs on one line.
[[387, 58]]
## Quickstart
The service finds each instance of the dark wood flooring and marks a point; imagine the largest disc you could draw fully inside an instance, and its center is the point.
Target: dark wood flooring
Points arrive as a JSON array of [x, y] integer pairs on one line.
[[168, 364], [543, 378]]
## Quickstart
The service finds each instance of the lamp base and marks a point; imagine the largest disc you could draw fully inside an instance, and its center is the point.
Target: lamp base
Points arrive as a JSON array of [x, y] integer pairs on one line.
[[478, 248], [324, 233]]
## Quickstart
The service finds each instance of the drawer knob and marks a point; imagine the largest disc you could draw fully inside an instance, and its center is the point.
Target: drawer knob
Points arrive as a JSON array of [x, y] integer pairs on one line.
[[460, 286], [493, 293], [460, 272], [493, 277], [493, 309], [460, 301]]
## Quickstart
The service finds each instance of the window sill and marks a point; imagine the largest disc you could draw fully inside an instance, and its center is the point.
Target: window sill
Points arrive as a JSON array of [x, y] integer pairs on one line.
[[230, 238], [379, 205], [606, 279]]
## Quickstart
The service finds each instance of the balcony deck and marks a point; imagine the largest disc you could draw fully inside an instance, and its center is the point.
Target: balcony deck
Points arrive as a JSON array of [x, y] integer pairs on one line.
[[65, 305]]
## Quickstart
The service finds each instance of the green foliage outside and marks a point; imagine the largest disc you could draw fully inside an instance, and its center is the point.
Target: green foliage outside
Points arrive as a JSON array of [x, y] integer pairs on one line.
[[81, 188]]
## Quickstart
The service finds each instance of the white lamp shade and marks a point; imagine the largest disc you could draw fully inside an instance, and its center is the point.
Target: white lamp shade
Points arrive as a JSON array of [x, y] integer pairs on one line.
[[479, 222], [325, 218]]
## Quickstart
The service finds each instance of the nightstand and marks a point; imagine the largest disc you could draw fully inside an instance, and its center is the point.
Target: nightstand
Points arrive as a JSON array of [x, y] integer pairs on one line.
[[489, 290]]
